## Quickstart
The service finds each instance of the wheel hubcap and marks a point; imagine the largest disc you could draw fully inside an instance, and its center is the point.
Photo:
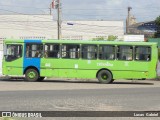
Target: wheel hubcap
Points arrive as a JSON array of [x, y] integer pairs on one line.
[[31, 75], [104, 76]]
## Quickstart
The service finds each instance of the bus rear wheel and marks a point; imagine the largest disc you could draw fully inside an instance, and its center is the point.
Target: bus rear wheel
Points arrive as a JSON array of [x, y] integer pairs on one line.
[[31, 75], [105, 77]]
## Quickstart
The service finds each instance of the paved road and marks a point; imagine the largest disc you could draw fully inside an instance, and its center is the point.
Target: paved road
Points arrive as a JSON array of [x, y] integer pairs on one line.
[[72, 95], [54, 95], [96, 99], [20, 85]]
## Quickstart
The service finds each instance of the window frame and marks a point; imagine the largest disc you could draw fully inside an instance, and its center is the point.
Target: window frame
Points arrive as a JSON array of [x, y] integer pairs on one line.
[[69, 44], [97, 50], [6, 55], [135, 53], [56, 50], [118, 53], [42, 51], [101, 45]]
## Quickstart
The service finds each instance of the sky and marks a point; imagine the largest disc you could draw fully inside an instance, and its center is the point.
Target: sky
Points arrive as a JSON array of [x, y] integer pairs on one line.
[[143, 10]]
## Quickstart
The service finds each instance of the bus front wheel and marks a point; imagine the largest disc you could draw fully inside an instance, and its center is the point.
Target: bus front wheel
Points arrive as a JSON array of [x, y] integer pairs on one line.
[[105, 77], [31, 75]]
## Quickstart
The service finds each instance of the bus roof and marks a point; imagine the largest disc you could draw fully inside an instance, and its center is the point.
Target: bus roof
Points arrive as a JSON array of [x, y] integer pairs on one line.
[[79, 42]]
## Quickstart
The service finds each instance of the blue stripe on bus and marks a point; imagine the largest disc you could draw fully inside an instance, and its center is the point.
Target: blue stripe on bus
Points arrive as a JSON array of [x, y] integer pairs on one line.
[[33, 41], [35, 62]]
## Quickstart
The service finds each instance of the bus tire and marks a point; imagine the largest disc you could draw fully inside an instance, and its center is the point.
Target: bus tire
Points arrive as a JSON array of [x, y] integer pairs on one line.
[[112, 81], [105, 77], [31, 75], [41, 78]]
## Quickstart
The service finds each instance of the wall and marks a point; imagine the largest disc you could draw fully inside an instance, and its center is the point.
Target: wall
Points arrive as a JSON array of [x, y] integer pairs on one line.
[[45, 27], [135, 38], [1, 57]]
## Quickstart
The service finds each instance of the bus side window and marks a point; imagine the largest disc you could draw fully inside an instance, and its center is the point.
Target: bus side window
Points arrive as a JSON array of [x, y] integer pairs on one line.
[[46, 54], [37, 54], [51, 50], [70, 51], [142, 53], [106, 52], [141, 57], [148, 58], [27, 50], [34, 50], [124, 58], [125, 53], [89, 52]]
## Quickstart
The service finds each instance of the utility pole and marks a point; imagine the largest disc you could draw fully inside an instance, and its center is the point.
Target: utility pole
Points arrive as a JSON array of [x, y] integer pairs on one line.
[[57, 5], [128, 21], [59, 22], [50, 9]]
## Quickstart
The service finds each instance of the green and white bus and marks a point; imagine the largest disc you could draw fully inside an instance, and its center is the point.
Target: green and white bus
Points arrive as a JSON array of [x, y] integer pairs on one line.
[[104, 60]]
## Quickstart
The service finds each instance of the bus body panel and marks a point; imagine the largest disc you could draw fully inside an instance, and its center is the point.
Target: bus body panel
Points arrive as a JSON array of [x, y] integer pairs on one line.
[[82, 68], [85, 68], [14, 67], [28, 61]]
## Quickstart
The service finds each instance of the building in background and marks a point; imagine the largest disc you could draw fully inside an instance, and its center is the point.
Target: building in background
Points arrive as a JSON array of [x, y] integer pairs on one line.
[[134, 38], [44, 27], [130, 20], [147, 29]]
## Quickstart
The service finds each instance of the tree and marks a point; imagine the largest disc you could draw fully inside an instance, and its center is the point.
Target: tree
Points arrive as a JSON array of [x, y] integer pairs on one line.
[[112, 37], [157, 21], [99, 38]]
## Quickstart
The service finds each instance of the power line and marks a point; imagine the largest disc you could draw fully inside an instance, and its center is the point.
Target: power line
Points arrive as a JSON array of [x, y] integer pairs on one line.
[[80, 28], [47, 18], [38, 23], [22, 13], [108, 15], [104, 9], [22, 6], [64, 22], [124, 8], [46, 27]]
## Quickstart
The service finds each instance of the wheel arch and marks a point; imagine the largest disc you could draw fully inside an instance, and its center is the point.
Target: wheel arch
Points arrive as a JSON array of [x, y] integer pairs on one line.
[[30, 67], [104, 69]]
